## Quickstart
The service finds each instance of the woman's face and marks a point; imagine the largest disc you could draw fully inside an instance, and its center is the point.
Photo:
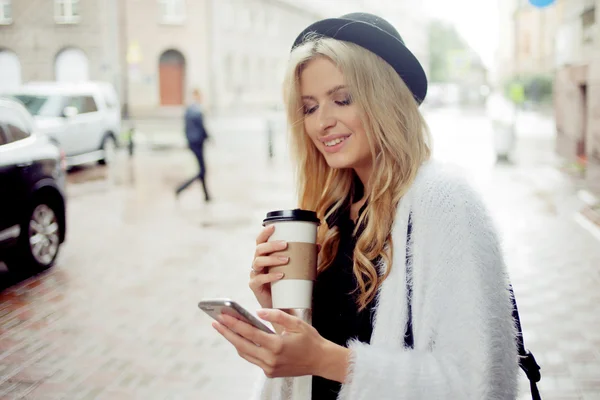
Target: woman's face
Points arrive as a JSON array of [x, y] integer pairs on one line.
[[332, 119]]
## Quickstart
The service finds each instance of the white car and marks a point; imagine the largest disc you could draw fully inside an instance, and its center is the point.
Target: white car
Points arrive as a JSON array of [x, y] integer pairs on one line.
[[84, 119]]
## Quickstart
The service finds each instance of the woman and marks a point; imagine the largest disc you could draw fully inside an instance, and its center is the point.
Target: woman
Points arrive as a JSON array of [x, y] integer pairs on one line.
[[411, 300]]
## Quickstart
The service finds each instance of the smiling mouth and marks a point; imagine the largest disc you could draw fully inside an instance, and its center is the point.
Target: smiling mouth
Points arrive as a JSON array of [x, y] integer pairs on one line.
[[335, 141]]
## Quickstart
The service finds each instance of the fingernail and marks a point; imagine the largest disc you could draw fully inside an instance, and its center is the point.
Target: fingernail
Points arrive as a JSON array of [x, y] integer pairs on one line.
[[262, 313], [286, 259], [282, 244], [280, 275]]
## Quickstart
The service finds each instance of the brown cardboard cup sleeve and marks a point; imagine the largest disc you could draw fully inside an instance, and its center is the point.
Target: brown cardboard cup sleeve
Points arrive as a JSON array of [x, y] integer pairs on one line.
[[302, 264]]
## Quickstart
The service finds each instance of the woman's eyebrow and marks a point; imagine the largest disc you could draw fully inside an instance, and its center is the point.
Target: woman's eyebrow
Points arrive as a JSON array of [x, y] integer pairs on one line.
[[329, 92]]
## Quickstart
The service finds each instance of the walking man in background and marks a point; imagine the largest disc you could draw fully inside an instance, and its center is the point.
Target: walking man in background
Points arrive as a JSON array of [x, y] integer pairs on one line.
[[196, 135]]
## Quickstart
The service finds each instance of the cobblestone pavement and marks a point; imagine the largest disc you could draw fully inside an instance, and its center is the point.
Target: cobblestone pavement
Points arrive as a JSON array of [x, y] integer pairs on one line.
[[116, 318]]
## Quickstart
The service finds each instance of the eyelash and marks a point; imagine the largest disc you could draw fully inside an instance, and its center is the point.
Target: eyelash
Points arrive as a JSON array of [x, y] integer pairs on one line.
[[343, 103]]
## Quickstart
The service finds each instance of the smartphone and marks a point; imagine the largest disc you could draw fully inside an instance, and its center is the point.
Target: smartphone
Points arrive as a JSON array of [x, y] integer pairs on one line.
[[216, 307]]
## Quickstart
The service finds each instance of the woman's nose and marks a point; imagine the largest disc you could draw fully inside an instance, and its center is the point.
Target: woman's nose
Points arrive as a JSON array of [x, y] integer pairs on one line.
[[326, 120]]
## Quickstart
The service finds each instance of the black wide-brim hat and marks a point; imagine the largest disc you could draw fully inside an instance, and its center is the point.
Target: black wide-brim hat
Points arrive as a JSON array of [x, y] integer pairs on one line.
[[378, 36]]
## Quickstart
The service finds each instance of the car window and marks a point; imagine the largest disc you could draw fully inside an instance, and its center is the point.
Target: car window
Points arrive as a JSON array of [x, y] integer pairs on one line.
[[89, 104], [17, 132], [42, 105], [75, 101], [17, 126], [3, 136], [83, 104]]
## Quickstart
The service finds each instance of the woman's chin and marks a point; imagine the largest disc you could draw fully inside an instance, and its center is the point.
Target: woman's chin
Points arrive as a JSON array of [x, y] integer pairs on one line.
[[338, 162]]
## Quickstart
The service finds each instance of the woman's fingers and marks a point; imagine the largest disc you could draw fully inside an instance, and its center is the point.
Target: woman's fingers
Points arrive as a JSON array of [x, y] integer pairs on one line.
[[262, 279], [264, 235], [270, 247], [268, 261]]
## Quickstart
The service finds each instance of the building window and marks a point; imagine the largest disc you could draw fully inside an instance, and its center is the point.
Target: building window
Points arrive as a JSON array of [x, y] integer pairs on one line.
[[260, 20], [229, 68], [242, 76], [260, 73], [66, 11], [588, 22], [5, 12], [245, 18], [10, 78], [172, 11], [227, 14], [272, 26]]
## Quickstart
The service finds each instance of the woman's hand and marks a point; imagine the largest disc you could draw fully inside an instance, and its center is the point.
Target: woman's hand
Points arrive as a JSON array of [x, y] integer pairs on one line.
[[298, 351], [260, 279]]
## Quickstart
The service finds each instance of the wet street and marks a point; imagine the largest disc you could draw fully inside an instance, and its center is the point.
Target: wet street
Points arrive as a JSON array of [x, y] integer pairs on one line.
[[117, 317]]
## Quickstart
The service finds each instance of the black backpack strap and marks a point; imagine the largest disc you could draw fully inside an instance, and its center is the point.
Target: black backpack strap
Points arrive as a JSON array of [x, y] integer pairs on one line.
[[526, 359]]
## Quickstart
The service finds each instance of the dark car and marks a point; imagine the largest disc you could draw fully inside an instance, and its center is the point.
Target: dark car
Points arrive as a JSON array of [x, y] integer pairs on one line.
[[32, 197]]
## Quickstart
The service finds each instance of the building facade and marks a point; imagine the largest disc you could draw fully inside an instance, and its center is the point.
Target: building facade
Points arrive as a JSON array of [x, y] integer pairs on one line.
[[64, 40], [166, 53], [577, 87], [156, 51], [250, 47], [535, 34], [503, 68]]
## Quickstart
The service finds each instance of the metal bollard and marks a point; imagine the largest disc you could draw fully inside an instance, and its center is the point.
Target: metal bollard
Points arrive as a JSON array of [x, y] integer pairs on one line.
[[130, 143], [270, 139]]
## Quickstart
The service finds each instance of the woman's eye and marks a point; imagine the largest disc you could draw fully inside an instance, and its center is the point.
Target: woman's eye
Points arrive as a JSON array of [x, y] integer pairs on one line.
[[309, 110], [346, 102]]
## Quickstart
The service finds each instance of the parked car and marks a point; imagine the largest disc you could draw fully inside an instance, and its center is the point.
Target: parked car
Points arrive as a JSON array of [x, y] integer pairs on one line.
[[84, 119], [32, 192]]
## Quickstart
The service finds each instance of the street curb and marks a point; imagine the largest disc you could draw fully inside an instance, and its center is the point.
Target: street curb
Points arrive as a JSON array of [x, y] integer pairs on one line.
[[587, 197], [586, 221], [588, 225], [158, 142]]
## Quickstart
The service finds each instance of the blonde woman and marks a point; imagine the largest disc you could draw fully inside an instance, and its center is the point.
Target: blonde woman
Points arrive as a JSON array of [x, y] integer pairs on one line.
[[411, 299]]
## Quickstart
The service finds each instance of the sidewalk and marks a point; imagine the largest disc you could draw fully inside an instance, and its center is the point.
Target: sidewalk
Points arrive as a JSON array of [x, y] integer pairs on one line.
[[169, 133], [535, 139], [117, 318]]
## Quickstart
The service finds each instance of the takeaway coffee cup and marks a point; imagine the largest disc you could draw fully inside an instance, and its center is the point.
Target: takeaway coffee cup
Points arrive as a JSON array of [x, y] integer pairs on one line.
[[299, 229]]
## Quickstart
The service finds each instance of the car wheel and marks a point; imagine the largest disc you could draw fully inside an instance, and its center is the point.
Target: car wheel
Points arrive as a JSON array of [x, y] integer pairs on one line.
[[109, 147], [39, 241]]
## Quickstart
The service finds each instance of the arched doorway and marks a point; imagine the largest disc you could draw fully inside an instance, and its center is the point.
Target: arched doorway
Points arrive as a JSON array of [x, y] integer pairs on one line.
[[172, 78], [71, 65], [10, 78]]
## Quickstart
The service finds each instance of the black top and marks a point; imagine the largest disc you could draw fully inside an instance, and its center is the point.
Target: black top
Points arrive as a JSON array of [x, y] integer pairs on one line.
[[335, 312]]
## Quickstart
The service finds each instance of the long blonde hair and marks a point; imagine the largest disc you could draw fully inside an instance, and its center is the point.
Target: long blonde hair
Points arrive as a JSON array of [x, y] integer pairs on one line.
[[398, 137]]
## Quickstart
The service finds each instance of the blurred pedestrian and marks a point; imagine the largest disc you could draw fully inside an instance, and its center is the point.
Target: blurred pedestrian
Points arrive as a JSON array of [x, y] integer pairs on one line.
[[411, 298], [196, 135]]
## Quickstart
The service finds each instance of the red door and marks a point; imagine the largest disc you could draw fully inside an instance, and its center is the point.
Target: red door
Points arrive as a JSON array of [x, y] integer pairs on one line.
[[171, 78], [171, 84]]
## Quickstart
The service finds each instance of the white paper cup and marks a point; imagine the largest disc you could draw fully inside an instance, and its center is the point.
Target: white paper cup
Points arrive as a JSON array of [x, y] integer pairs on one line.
[[299, 229]]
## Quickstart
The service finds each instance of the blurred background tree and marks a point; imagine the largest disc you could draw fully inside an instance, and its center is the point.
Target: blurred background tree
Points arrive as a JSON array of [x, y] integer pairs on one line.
[[444, 42]]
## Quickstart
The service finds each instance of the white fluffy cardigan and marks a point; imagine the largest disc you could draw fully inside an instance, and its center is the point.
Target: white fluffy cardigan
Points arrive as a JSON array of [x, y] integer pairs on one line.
[[464, 334]]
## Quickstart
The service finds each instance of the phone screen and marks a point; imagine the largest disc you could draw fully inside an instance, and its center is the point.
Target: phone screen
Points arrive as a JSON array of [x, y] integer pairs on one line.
[[229, 307]]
